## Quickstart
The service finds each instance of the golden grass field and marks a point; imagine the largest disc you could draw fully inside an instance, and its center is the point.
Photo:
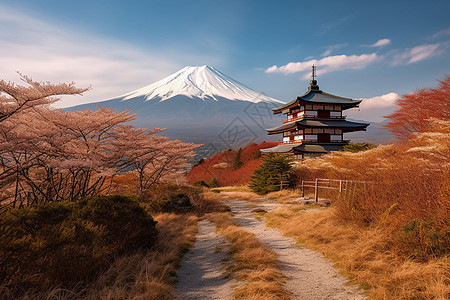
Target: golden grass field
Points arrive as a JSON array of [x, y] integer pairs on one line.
[[364, 255]]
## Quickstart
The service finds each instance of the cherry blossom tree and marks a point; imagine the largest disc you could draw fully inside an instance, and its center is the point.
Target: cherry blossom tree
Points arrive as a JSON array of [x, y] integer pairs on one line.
[[16, 98], [54, 155], [151, 156]]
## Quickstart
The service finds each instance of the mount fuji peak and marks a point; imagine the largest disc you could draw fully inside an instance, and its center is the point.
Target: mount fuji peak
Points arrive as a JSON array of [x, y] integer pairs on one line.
[[201, 105], [202, 82]]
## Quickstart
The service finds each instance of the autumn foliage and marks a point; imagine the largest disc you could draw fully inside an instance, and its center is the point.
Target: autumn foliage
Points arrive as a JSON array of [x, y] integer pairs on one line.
[[416, 109], [50, 155], [404, 189], [222, 166]]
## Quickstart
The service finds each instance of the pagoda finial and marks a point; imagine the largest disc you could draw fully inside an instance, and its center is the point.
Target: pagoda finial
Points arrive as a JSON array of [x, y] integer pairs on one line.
[[313, 83]]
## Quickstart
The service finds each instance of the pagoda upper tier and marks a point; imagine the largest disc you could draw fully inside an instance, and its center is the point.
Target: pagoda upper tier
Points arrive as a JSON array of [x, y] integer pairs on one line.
[[315, 124], [315, 96]]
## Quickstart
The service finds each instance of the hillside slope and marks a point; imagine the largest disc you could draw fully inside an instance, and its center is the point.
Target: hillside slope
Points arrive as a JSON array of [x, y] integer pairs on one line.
[[221, 167]]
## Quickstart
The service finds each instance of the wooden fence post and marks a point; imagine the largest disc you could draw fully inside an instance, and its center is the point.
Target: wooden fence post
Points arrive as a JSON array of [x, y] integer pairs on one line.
[[303, 189], [316, 191], [340, 186]]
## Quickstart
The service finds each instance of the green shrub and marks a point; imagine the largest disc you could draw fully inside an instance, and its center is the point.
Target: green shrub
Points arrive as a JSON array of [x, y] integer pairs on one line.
[[199, 162], [214, 183], [274, 169], [237, 163], [358, 147], [171, 198], [421, 240], [68, 243], [128, 226], [200, 183], [171, 203]]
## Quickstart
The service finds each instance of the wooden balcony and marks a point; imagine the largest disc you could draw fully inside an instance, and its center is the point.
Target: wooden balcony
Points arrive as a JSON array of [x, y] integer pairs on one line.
[[291, 142], [292, 119], [313, 141], [311, 117]]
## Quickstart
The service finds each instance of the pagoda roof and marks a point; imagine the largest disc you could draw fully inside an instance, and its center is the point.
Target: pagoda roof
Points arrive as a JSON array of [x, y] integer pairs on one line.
[[342, 123], [281, 148], [318, 148], [315, 95], [282, 128]]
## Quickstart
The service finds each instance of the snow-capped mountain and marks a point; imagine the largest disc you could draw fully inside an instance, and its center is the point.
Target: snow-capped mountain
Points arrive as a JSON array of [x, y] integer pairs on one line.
[[203, 82], [202, 105]]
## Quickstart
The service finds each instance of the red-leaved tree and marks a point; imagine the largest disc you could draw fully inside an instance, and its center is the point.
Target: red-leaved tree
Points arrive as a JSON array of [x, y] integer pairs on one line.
[[415, 110]]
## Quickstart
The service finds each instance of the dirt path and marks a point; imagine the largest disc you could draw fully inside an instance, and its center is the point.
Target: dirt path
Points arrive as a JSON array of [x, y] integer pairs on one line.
[[311, 276], [201, 275]]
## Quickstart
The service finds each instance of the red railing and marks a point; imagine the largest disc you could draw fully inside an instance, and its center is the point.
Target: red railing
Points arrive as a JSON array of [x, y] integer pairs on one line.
[[292, 119]]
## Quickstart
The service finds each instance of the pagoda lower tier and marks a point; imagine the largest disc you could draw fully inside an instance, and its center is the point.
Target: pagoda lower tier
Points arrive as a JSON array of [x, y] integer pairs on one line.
[[313, 137], [305, 149], [316, 130]]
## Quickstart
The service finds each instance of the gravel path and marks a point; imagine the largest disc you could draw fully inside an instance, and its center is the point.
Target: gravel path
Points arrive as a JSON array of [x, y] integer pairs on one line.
[[311, 276], [201, 275]]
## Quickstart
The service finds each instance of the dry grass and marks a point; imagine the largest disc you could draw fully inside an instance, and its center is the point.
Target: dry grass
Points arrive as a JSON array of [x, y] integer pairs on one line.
[[144, 275], [254, 264], [243, 196], [230, 193], [244, 193], [405, 189], [208, 202], [285, 196], [364, 254], [242, 188]]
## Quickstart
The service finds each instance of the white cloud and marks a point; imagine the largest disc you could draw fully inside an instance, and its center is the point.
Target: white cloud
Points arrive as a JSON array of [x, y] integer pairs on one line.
[[48, 52], [373, 109], [386, 100], [416, 54], [441, 33], [327, 64], [327, 52], [381, 43], [332, 48]]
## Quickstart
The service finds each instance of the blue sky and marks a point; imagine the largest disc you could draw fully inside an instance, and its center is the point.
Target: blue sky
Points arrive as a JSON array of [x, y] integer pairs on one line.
[[364, 49]]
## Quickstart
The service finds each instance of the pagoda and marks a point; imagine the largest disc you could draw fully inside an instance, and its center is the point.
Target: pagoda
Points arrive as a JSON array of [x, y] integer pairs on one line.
[[315, 124]]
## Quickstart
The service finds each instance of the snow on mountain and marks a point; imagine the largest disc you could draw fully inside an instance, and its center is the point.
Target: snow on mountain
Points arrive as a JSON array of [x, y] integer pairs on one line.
[[200, 105], [203, 82]]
